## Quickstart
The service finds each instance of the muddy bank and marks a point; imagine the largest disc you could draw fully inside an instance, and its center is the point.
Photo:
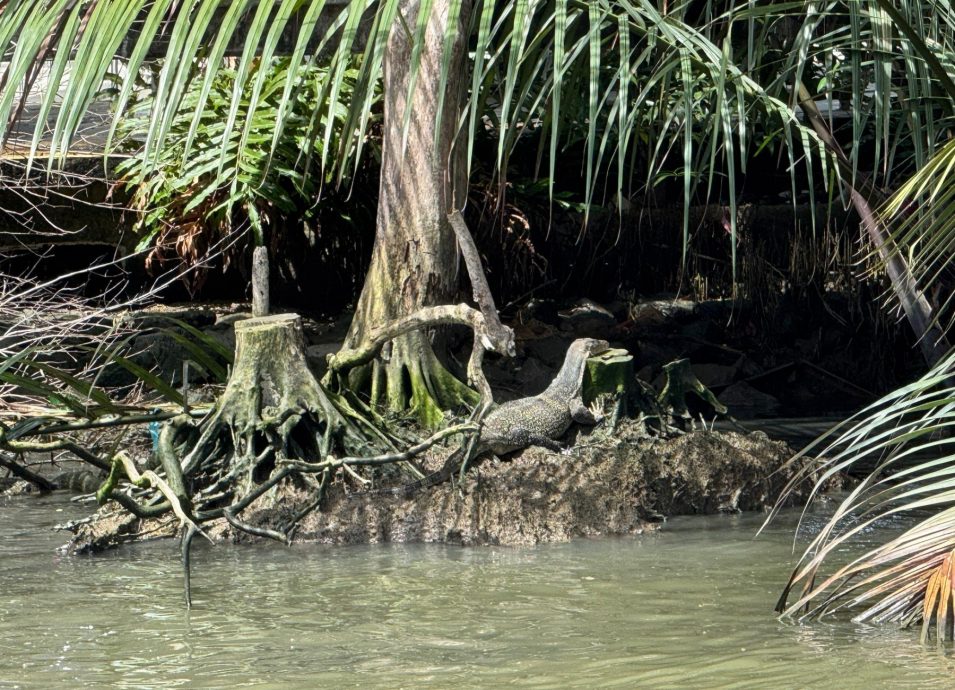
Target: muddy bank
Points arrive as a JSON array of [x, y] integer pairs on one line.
[[607, 485]]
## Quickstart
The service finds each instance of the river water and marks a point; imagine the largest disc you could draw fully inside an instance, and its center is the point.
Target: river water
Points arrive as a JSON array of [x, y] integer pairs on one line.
[[687, 607]]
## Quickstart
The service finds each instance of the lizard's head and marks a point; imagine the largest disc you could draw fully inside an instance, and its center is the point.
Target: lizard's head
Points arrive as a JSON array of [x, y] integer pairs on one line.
[[588, 347]]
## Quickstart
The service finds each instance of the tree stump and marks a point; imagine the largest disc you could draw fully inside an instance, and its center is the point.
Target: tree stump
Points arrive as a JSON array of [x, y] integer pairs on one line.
[[611, 374], [273, 409], [680, 382]]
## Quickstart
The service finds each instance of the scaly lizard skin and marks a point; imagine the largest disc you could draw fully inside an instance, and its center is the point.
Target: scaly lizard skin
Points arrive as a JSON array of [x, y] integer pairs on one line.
[[535, 421]]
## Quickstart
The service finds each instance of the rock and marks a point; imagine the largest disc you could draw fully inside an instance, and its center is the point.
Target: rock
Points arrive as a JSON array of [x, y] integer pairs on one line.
[[619, 308], [746, 402], [532, 329], [711, 375], [586, 318], [317, 357], [230, 319], [198, 317], [656, 312]]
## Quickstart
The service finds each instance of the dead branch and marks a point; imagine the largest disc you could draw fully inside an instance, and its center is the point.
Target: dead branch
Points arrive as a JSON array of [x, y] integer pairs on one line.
[[428, 317], [501, 337], [143, 480], [384, 459], [23, 473], [99, 423], [19, 447]]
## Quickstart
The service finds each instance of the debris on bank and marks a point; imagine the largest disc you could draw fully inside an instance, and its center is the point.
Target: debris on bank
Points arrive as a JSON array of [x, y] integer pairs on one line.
[[605, 485]]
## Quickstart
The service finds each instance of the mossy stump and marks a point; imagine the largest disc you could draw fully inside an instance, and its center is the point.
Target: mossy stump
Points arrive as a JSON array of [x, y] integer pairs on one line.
[[272, 410], [611, 374], [680, 382]]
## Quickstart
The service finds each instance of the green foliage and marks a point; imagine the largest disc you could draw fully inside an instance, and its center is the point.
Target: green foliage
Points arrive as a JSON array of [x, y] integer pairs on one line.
[[692, 89], [908, 437], [36, 379], [684, 91], [206, 179], [921, 219]]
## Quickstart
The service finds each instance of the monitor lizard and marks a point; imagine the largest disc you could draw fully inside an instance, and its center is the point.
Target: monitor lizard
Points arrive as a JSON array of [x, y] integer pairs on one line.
[[538, 420]]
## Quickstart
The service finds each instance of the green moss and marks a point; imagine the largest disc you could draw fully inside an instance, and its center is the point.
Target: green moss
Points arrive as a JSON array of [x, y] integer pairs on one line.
[[414, 381], [609, 373]]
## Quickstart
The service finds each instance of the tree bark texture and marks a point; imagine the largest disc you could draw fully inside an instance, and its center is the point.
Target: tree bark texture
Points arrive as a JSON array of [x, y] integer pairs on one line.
[[260, 281], [414, 260], [272, 409]]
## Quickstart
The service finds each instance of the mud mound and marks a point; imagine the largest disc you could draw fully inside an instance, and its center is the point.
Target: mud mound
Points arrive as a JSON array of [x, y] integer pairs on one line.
[[614, 486], [619, 484]]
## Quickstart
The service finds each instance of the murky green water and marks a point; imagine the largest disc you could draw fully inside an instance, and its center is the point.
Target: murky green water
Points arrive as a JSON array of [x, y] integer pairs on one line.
[[688, 607]]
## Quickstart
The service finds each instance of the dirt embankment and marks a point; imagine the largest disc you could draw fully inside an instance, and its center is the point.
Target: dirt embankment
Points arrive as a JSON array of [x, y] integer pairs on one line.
[[608, 484]]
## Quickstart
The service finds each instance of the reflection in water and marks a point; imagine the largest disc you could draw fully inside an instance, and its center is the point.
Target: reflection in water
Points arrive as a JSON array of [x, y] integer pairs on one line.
[[690, 606]]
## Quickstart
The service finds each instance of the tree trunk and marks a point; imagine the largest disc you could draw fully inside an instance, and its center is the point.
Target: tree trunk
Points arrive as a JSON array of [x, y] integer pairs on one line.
[[918, 311], [414, 258]]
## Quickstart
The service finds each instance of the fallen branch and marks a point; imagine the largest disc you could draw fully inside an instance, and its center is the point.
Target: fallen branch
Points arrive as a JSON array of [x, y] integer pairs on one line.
[[143, 480], [36, 428], [26, 475], [384, 459], [19, 447]]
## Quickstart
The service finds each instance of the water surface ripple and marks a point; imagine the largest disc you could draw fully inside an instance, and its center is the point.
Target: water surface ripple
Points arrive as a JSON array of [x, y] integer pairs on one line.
[[688, 607]]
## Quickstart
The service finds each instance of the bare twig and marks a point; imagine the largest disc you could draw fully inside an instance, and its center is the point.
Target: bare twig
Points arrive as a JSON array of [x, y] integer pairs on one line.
[[23, 473]]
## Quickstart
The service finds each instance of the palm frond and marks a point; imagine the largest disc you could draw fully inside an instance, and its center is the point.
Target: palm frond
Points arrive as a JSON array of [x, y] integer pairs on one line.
[[645, 93], [921, 216], [907, 437]]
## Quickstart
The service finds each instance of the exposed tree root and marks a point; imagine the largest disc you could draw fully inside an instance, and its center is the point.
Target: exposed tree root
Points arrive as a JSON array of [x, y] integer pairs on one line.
[[273, 423], [177, 500], [395, 364]]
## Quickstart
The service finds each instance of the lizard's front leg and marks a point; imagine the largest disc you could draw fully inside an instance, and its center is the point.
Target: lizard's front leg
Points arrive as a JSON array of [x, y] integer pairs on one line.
[[582, 414]]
